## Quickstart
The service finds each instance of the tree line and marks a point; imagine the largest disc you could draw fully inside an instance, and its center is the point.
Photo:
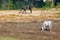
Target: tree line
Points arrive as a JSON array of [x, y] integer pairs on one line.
[[17, 4]]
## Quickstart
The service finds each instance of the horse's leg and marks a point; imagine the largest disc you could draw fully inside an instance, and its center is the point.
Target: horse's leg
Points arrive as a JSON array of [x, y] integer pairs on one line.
[[30, 10], [25, 10], [20, 10]]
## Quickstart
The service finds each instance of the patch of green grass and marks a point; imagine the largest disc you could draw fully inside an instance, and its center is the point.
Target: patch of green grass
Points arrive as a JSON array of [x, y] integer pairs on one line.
[[7, 38], [43, 8], [58, 6], [57, 12], [12, 15], [57, 17]]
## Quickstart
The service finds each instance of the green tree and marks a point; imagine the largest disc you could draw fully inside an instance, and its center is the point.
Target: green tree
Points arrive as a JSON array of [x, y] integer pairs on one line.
[[3, 4]]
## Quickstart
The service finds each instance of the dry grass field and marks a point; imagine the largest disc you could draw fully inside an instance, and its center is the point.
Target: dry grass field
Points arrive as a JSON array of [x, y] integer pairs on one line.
[[28, 26]]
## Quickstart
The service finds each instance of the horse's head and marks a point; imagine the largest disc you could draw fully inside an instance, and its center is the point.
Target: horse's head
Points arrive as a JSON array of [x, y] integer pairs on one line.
[[30, 5]]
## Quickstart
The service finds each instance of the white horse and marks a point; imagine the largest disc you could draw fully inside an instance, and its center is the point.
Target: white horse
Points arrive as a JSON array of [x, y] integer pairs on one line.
[[47, 25]]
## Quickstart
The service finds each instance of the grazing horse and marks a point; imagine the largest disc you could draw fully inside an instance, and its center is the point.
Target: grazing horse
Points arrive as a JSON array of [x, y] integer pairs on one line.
[[26, 8], [47, 25]]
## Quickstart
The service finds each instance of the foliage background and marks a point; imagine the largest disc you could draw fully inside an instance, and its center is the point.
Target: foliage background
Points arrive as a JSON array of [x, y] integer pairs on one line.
[[17, 4]]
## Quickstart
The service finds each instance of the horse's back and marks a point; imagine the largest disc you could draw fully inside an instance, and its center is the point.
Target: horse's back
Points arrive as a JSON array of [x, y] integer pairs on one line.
[[47, 23]]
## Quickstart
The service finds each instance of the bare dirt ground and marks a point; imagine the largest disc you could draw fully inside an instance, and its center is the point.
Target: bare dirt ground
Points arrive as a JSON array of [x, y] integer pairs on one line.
[[27, 26]]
